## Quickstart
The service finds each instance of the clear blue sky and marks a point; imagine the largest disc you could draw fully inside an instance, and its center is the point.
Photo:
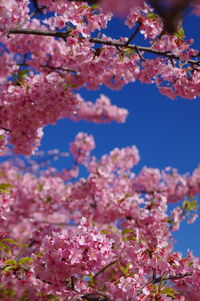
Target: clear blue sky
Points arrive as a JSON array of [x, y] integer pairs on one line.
[[167, 133]]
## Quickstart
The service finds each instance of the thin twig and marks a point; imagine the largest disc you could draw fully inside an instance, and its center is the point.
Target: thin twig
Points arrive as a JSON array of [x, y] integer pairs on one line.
[[104, 268], [133, 35], [139, 54]]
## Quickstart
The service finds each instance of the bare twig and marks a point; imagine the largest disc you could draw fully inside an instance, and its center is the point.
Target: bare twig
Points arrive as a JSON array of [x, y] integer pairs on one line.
[[133, 35]]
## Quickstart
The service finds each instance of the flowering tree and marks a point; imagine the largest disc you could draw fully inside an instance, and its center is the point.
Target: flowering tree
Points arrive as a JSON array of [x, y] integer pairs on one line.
[[107, 236]]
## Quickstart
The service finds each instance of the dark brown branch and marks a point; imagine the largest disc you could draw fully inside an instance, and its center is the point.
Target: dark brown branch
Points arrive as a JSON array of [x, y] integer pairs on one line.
[[171, 277], [104, 268], [139, 54], [172, 17], [47, 282], [95, 297], [87, 1], [153, 275], [50, 67], [39, 32], [64, 35], [6, 130], [37, 8], [57, 68], [133, 35]]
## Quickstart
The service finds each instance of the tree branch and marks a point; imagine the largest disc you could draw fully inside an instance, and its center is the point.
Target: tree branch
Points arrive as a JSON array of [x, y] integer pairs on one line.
[[171, 277], [137, 48], [172, 17], [37, 8], [6, 130], [50, 67], [97, 296]]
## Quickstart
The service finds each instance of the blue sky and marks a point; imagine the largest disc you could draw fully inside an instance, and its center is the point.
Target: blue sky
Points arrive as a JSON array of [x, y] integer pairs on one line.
[[166, 132]]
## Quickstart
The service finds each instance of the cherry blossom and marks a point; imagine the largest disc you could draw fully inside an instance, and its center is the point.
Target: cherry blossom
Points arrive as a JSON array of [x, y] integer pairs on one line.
[[105, 233]]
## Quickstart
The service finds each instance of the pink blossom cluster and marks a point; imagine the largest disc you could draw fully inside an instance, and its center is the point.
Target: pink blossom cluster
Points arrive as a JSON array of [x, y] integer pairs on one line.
[[3, 143], [44, 78], [108, 234], [102, 111], [43, 99], [83, 17], [5, 204], [151, 25], [13, 13], [82, 251], [81, 147]]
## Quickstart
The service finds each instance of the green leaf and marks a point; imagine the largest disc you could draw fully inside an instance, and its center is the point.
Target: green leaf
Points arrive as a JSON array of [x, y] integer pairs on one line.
[[40, 187], [22, 73], [70, 85], [48, 199], [90, 276], [131, 237], [12, 262], [105, 232], [5, 248], [152, 16], [90, 280], [180, 33], [170, 221], [125, 270], [169, 291], [94, 6], [9, 268], [53, 298], [25, 260], [39, 255], [154, 289], [6, 291], [5, 187], [124, 231], [190, 205], [189, 263], [10, 240]]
